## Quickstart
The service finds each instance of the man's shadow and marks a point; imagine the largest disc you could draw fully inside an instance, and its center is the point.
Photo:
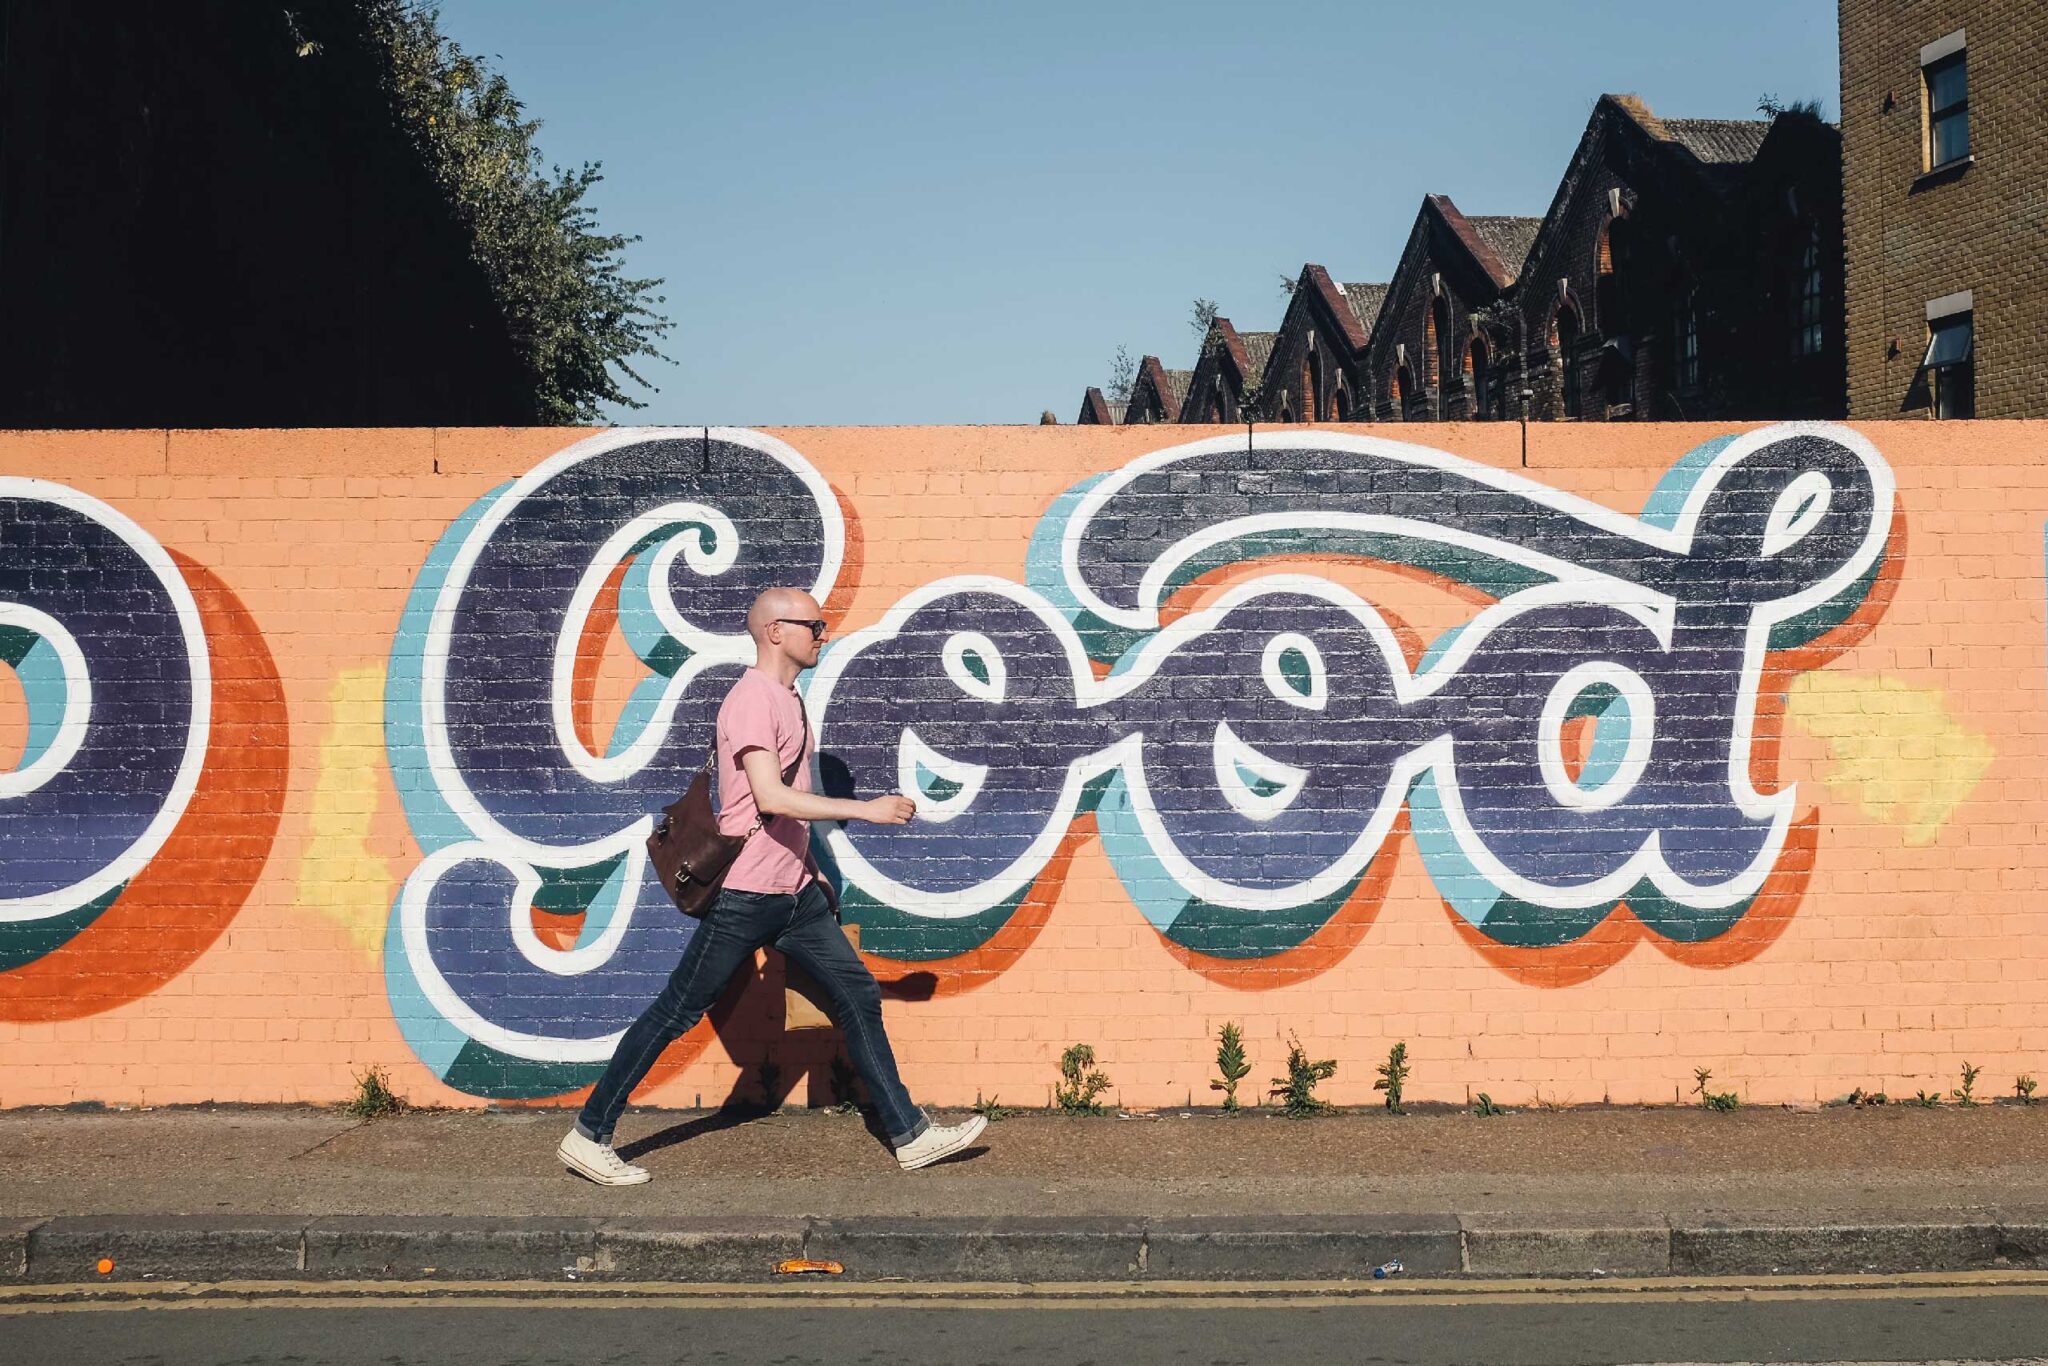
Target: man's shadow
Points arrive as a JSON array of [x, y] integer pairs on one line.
[[774, 1060], [750, 1021]]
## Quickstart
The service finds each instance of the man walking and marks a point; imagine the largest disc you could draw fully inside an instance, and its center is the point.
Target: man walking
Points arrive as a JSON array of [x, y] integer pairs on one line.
[[771, 895]]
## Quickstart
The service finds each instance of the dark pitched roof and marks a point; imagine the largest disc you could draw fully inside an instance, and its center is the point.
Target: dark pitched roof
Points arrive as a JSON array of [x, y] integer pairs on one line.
[[1156, 377], [1258, 349], [1315, 283], [1099, 411], [1508, 238], [1364, 302], [1490, 242], [1719, 142]]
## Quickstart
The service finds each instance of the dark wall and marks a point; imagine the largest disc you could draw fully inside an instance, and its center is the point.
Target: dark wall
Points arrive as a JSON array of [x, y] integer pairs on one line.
[[1734, 237], [201, 228]]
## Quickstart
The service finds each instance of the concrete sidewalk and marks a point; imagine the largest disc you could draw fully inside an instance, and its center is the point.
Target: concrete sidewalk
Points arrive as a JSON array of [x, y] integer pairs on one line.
[[219, 1194]]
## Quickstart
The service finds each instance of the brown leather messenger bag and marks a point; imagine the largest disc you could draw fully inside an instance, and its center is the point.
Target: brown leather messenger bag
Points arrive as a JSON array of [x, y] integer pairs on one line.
[[689, 852]]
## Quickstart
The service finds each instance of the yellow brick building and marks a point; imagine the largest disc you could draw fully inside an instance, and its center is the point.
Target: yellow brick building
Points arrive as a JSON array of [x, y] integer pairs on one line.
[[1945, 185]]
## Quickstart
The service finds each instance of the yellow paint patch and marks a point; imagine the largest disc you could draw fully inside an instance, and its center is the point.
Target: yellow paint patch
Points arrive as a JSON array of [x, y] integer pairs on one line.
[[1893, 749], [339, 876]]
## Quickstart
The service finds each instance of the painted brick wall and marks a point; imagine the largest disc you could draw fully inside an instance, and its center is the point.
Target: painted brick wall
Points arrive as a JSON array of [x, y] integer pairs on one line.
[[1914, 239], [1651, 748]]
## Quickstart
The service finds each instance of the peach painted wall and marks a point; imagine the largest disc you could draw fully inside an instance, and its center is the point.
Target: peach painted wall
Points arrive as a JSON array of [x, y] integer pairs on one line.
[[1889, 931]]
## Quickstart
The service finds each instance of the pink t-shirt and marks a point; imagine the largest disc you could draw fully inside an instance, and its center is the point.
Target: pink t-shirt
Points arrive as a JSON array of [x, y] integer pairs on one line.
[[760, 713]]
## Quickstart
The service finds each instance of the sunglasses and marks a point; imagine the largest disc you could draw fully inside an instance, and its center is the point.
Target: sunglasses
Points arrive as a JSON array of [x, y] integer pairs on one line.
[[817, 628]]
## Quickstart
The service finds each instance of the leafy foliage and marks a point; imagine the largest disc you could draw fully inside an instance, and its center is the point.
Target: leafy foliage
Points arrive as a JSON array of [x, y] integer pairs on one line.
[[992, 1109], [1296, 1091], [1123, 373], [1485, 1108], [1966, 1094], [1081, 1085], [1393, 1077], [577, 320], [1712, 1100], [1231, 1062], [845, 1085], [2023, 1087], [374, 1097]]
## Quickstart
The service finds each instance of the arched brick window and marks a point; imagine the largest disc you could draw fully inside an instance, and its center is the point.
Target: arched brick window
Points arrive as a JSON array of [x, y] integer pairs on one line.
[[1479, 378], [1443, 356], [1564, 331], [1606, 294]]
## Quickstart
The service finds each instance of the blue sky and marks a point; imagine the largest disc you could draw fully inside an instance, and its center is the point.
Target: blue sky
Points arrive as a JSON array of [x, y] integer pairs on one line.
[[955, 212]]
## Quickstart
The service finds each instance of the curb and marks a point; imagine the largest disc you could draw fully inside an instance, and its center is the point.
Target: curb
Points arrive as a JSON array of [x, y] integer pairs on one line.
[[68, 1250]]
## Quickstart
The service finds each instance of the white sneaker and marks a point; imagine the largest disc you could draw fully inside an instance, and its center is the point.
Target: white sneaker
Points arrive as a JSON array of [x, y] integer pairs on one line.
[[939, 1141], [589, 1158]]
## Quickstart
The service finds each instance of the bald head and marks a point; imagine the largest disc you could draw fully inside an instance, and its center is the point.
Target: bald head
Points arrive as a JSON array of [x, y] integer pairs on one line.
[[777, 603], [779, 621]]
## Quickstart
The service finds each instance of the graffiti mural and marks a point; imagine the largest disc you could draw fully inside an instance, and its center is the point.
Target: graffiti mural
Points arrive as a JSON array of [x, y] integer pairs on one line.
[[672, 534], [143, 803], [1248, 765]]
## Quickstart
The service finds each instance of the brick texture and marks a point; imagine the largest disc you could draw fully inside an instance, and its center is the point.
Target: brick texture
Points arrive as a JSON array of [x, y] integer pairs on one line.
[[255, 958], [1913, 238]]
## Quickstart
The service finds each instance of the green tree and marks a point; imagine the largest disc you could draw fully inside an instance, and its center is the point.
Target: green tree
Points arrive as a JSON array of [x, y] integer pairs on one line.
[[578, 321]]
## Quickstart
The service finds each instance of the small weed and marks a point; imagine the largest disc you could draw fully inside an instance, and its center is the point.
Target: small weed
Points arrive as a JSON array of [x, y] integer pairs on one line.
[[1966, 1094], [374, 1097], [2023, 1087], [1393, 1076], [1231, 1062], [991, 1109], [1861, 1098], [845, 1098], [1081, 1086], [771, 1077], [1926, 1100], [1485, 1108], [1296, 1091], [1712, 1100]]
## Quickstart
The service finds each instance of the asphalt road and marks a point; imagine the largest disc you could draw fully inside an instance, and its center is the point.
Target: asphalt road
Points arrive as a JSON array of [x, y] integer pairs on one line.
[[1978, 1324]]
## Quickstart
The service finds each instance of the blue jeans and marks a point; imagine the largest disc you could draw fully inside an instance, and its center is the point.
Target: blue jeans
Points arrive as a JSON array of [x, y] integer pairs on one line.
[[808, 934]]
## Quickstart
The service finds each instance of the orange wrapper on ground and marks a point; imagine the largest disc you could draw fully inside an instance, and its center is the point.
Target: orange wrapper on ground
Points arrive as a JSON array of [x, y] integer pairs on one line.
[[800, 1266]]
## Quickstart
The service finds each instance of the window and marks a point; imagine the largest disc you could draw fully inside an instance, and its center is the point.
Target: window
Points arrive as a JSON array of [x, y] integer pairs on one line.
[[1566, 330], [1606, 289], [1808, 334], [1946, 381], [1445, 358], [1944, 67], [1482, 382], [1404, 391], [1687, 333]]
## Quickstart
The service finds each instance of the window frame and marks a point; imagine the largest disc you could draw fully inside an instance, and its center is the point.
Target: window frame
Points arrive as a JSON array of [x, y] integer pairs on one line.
[[1947, 55], [1569, 328], [1687, 371], [1952, 385], [1809, 330]]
